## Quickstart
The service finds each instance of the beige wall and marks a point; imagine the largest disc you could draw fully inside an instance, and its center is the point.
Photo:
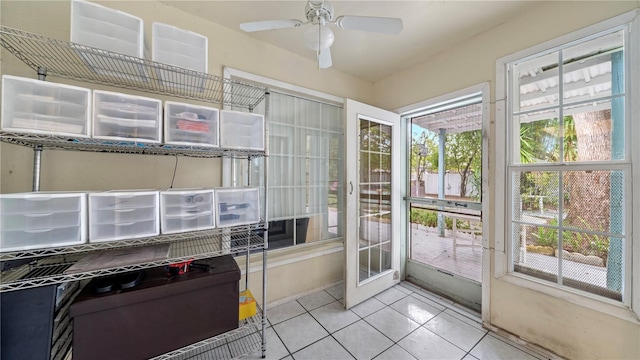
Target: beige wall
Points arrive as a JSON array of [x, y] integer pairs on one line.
[[567, 329], [292, 273]]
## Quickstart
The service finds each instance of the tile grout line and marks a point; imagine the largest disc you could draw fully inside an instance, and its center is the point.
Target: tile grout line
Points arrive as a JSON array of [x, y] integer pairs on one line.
[[278, 335], [476, 344], [385, 335], [325, 329], [423, 326], [363, 319]]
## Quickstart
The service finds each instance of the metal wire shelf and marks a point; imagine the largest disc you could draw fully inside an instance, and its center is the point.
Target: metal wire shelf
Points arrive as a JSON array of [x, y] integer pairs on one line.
[[55, 142], [52, 57], [64, 59], [152, 240], [51, 270]]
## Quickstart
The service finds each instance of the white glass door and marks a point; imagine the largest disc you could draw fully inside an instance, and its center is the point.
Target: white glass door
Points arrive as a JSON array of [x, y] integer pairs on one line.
[[372, 244]]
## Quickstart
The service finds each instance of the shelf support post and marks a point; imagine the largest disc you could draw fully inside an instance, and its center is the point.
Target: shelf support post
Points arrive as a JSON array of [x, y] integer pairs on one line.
[[37, 164], [246, 274], [42, 73], [265, 245], [37, 150]]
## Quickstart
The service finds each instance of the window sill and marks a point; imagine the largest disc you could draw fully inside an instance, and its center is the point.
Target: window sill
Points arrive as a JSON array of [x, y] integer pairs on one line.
[[595, 303], [291, 254]]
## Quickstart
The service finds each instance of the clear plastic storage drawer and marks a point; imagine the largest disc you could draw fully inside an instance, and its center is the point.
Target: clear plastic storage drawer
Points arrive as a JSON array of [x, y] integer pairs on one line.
[[36, 106], [42, 220], [107, 29], [237, 206], [186, 124], [126, 117], [241, 130], [119, 215], [186, 210], [182, 48]]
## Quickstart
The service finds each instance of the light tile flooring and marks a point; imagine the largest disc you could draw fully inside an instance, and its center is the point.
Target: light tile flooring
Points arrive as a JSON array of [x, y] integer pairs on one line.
[[403, 322]]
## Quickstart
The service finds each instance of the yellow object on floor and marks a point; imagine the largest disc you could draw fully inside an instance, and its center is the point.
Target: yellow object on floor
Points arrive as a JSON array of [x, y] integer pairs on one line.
[[247, 304]]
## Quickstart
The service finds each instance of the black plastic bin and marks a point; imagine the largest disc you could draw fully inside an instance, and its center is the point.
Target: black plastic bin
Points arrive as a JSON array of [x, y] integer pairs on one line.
[[26, 323]]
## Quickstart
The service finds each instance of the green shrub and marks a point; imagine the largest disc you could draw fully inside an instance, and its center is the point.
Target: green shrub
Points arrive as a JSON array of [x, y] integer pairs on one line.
[[429, 218], [547, 237]]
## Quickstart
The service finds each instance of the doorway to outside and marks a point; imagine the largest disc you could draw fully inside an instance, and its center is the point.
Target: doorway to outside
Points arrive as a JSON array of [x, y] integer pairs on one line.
[[444, 202]]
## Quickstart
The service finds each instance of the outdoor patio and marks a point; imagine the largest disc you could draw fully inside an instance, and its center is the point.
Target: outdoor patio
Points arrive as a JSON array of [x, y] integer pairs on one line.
[[436, 251]]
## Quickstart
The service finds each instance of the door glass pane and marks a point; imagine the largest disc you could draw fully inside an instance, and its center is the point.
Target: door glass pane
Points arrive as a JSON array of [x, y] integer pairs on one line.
[[375, 197], [453, 136], [374, 268], [365, 166], [385, 256], [363, 259]]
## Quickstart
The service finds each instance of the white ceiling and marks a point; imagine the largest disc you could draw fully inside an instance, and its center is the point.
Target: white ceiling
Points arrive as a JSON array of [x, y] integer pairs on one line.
[[430, 27]]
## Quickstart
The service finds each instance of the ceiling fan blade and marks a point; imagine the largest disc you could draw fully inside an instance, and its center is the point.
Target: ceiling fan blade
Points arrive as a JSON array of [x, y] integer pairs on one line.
[[382, 25], [269, 25], [324, 58]]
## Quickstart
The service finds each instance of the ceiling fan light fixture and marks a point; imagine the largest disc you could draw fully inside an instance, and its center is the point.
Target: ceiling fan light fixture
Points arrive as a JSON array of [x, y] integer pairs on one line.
[[317, 42]]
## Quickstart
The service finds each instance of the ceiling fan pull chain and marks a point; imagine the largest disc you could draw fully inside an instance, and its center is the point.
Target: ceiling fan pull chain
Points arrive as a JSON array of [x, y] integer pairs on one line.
[[319, 43]]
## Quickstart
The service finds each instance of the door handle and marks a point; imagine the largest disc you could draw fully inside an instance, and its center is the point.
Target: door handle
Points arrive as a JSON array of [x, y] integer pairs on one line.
[[351, 184]]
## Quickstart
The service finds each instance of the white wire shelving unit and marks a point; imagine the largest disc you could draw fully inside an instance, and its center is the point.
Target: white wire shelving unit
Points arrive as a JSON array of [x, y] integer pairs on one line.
[[62, 59]]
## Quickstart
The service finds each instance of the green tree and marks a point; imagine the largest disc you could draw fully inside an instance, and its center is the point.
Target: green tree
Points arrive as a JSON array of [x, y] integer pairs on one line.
[[424, 153], [539, 143], [463, 155]]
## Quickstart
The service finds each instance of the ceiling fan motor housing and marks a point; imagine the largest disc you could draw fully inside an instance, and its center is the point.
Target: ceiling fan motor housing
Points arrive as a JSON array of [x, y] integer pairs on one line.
[[319, 12]]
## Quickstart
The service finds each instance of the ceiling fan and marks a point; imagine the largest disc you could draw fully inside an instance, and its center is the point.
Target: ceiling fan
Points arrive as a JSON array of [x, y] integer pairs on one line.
[[318, 36]]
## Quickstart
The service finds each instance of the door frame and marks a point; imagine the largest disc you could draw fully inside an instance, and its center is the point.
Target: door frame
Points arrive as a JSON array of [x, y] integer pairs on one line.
[[355, 292], [484, 88]]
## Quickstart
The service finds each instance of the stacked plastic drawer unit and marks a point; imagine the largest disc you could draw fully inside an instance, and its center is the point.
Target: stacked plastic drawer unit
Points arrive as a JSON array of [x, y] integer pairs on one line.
[[186, 124], [42, 220], [241, 130], [126, 117], [119, 215], [103, 28], [237, 206], [182, 48], [186, 210], [35, 106]]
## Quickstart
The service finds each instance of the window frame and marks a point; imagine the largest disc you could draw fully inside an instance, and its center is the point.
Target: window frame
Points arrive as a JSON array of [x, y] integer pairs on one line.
[[629, 308]]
